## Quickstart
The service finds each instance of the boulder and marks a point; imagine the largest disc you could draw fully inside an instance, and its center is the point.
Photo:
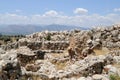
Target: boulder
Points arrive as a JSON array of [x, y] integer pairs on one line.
[[2, 51], [97, 77], [115, 33], [87, 51], [109, 59], [116, 59], [85, 78], [25, 55], [32, 67], [97, 44], [110, 69], [12, 70]]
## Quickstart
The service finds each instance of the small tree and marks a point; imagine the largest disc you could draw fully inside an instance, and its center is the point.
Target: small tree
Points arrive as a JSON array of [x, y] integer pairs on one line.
[[48, 37]]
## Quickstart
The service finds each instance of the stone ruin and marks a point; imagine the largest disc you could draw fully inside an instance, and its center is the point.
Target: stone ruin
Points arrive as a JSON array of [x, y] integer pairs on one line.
[[64, 55]]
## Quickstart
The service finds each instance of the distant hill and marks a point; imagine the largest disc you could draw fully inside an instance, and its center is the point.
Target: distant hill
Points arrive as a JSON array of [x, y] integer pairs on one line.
[[28, 29]]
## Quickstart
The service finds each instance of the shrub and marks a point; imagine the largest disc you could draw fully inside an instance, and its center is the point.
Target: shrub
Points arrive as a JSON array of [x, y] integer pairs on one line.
[[48, 37], [114, 77]]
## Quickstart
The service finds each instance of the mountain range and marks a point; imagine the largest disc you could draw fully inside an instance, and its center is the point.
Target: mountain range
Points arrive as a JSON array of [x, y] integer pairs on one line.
[[28, 29]]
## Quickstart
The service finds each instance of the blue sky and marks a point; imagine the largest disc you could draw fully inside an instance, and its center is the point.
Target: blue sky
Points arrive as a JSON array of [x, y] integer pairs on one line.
[[68, 12]]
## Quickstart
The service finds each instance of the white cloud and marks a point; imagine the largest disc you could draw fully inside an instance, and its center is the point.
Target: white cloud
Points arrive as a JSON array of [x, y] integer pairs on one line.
[[51, 13], [117, 9], [80, 11], [53, 17], [13, 19]]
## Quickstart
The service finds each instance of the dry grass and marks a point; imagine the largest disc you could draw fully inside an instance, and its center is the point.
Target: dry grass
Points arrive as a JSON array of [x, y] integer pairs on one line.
[[32, 77], [55, 54], [117, 65], [36, 78], [72, 42], [1, 42], [103, 51], [60, 66]]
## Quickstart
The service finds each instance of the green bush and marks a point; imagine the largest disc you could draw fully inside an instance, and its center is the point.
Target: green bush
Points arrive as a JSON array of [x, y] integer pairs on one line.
[[114, 77], [48, 37]]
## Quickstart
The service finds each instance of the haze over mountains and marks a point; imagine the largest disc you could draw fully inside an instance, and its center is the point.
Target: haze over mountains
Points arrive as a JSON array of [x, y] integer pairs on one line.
[[28, 29]]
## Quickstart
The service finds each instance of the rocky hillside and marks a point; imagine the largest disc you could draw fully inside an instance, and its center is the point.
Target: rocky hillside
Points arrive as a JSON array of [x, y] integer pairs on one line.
[[63, 55]]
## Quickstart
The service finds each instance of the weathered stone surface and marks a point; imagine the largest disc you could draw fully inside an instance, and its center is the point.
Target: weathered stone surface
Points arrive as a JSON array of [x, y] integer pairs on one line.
[[9, 66], [32, 67], [2, 51], [87, 51], [25, 55], [111, 69], [10, 46], [33, 55]]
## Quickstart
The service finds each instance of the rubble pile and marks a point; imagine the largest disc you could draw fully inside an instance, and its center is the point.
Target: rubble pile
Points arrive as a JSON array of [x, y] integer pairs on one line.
[[63, 55]]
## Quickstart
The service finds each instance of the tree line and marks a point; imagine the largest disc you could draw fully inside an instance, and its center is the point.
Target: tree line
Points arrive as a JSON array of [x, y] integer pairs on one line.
[[9, 38]]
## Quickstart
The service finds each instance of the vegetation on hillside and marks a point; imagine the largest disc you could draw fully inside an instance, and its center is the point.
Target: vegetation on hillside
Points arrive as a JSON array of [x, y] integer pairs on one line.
[[4, 39], [114, 77]]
